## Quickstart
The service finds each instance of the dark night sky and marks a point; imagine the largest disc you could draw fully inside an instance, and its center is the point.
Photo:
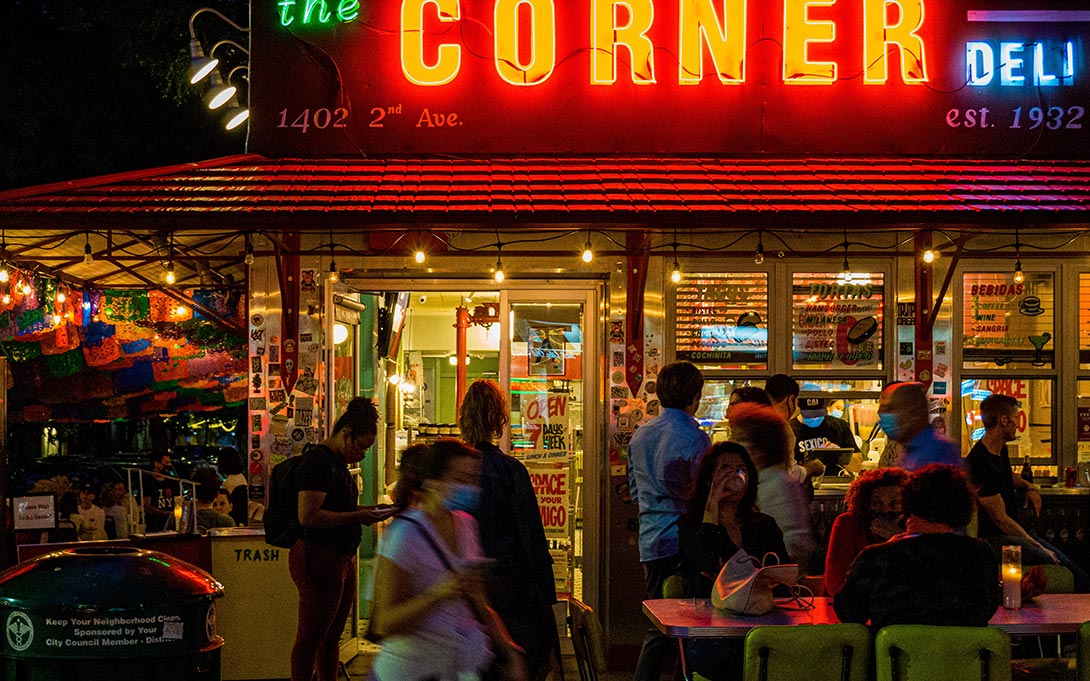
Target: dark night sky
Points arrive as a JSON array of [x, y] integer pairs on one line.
[[96, 88]]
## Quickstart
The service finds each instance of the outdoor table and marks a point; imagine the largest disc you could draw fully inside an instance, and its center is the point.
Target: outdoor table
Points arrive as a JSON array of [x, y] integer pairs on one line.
[[695, 618]]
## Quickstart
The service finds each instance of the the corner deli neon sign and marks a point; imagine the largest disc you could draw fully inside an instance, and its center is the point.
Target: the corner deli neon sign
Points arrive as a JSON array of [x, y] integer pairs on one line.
[[525, 52]]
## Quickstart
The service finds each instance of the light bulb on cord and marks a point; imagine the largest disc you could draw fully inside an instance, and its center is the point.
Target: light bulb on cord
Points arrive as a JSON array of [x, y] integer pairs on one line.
[[1019, 276], [4, 275], [170, 278], [759, 256], [929, 256], [419, 256], [248, 259], [499, 275], [61, 297], [334, 275], [676, 275], [88, 258], [588, 254]]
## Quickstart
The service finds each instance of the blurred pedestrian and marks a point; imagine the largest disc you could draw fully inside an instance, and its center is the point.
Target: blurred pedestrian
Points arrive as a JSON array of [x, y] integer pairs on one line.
[[903, 415]]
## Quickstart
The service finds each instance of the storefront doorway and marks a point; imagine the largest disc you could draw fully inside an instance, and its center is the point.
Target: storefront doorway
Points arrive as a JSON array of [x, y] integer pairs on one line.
[[539, 343]]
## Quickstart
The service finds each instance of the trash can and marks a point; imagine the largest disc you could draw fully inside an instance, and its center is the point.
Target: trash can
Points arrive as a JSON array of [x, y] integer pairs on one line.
[[108, 613]]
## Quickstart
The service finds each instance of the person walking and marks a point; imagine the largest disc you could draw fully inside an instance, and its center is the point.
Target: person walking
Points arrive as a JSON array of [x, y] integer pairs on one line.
[[322, 561], [520, 585], [430, 608], [902, 413], [662, 464]]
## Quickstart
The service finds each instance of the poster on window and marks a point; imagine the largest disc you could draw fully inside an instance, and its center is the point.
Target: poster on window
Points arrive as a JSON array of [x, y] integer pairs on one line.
[[546, 427], [838, 320], [552, 490], [546, 347], [1008, 323]]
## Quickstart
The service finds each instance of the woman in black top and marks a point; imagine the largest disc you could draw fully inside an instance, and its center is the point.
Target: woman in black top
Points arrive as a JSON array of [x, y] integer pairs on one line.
[[323, 561], [722, 517]]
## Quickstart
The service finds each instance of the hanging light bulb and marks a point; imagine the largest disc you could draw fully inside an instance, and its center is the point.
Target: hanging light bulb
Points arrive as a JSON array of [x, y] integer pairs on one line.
[[759, 256], [1019, 276], [61, 297], [499, 275], [588, 254], [334, 275], [4, 274], [170, 278], [7, 298], [27, 289], [180, 311], [929, 256], [419, 256], [88, 257], [248, 259], [675, 276], [56, 319]]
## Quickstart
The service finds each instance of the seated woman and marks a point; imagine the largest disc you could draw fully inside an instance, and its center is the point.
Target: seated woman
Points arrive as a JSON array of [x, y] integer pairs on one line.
[[929, 574], [769, 441], [721, 518], [873, 516]]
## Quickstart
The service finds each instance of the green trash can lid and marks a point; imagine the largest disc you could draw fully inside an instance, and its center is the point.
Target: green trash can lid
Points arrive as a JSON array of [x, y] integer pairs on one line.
[[103, 579]]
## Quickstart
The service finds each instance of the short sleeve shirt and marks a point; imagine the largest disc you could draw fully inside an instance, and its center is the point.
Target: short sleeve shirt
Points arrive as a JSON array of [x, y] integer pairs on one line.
[[323, 471], [991, 475]]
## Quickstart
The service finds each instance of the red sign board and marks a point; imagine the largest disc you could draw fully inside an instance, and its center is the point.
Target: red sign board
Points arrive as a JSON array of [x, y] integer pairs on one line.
[[793, 77]]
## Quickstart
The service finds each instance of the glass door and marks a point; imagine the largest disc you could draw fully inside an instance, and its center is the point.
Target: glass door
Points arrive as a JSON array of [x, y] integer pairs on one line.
[[549, 366]]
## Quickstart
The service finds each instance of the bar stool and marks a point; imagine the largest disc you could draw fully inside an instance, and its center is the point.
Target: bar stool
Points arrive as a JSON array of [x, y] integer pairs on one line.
[[818, 652], [916, 652]]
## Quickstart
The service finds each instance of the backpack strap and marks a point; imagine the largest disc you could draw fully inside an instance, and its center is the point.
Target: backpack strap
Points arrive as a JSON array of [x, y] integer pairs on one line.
[[431, 540]]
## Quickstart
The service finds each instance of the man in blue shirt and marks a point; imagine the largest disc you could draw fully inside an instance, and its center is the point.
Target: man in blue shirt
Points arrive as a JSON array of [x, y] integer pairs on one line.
[[903, 415], [662, 462]]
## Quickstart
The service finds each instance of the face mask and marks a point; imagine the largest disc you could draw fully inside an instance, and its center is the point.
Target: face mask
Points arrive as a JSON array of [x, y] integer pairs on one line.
[[462, 497], [812, 422], [836, 414], [888, 423]]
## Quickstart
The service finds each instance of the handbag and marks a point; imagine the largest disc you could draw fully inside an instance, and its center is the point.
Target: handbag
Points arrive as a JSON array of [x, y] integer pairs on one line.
[[744, 585]]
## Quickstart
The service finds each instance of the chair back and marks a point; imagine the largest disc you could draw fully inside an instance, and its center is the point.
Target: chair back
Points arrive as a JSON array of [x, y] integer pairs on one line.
[[1059, 579], [588, 640], [820, 652], [916, 652], [673, 587], [1082, 665]]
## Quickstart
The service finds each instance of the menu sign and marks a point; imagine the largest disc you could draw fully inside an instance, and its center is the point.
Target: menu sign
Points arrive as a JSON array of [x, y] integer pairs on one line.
[[1008, 323], [722, 319], [795, 77], [838, 320]]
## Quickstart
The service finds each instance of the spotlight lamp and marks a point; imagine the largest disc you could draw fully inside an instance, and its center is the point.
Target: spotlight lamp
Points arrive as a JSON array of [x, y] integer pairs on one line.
[[201, 66], [220, 93], [235, 116]]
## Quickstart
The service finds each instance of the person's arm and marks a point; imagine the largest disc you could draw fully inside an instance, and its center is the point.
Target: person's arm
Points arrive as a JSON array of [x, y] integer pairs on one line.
[[1033, 495], [311, 513], [843, 548], [852, 603], [509, 654], [997, 511]]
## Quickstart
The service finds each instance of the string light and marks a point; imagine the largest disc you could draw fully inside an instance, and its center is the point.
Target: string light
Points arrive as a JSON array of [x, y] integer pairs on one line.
[[759, 256], [88, 257], [419, 256], [334, 275], [588, 254], [170, 278], [1019, 276], [499, 276], [248, 259], [4, 275], [675, 276], [4, 251], [7, 298], [929, 256], [60, 296], [27, 289]]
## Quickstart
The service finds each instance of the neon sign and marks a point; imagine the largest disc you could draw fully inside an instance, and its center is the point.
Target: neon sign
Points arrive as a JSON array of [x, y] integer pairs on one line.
[[900, 77]]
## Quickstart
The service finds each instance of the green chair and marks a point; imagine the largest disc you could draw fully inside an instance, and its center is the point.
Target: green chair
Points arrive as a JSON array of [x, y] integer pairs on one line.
[[588, 640], [914, 652], [674, 587], [1060, 579], [1082, 666], [819, 652]]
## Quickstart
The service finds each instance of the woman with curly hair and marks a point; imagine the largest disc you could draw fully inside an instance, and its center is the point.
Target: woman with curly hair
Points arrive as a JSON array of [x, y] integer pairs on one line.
[[873, 516]]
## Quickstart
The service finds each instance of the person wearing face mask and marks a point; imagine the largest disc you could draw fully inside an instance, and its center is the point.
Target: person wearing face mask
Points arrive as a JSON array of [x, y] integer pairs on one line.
[[721, 518], [816, 429], [430, 606], [323, 561], [903, 416], [520, 586], [873, 516]]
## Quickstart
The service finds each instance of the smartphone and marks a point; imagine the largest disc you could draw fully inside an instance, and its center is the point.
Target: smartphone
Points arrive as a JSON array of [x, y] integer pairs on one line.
[[383, 510], [481, 566]]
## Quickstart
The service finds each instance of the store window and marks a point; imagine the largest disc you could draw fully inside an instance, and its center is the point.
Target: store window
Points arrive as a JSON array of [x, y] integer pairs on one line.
[[721, 321], [1008, 324], [837, 320], [1034, 417], [1084, 322]]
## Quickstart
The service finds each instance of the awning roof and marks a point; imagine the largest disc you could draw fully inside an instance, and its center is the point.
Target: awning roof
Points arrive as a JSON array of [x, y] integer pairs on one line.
[[205, 207]]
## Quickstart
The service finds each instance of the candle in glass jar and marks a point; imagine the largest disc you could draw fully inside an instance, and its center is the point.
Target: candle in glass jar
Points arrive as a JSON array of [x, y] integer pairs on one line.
[[1012, 577]]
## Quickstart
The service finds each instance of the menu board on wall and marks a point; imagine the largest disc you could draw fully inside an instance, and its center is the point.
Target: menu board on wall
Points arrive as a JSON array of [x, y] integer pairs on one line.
[[723, 320], [1007, 323], [838, 320]]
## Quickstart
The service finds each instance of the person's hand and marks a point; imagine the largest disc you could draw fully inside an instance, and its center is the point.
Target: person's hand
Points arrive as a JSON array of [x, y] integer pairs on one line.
[[377, 513], [1051, 556], [1033, 498]]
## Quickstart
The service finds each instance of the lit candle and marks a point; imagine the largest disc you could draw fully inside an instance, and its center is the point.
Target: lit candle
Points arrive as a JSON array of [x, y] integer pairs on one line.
[[1012, 577]]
